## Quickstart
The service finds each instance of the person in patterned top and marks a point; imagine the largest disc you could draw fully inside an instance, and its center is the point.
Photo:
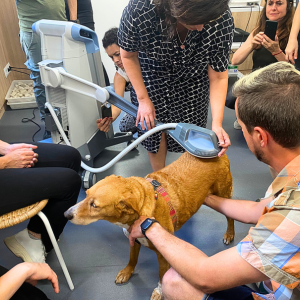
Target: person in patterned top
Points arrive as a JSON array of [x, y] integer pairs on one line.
[[176, 55], [268, 109]]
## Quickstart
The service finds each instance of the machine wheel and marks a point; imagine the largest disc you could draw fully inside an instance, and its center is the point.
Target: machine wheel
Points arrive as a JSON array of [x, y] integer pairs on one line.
[[88, 179]]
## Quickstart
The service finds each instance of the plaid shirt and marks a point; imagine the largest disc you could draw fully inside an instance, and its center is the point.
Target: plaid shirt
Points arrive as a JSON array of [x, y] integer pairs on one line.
[[273, 245]]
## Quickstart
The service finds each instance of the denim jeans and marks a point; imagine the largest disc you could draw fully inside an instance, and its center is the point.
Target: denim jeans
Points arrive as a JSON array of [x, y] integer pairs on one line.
[[31, 45]]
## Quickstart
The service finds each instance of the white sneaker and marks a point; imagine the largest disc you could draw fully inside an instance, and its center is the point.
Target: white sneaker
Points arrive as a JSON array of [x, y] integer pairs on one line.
[[236, 125], [28, 249]]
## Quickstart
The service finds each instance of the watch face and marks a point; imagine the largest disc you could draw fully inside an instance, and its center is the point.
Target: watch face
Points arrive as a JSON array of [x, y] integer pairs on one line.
[[146, 224]]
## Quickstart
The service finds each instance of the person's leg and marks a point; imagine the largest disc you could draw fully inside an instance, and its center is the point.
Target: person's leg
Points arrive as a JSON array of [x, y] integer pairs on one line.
[[174, 287], [31, 45], [54, 177], [158, 160]]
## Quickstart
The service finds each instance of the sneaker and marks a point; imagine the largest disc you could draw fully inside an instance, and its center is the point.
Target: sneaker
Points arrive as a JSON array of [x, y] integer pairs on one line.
[[28, 249], [236, 125]]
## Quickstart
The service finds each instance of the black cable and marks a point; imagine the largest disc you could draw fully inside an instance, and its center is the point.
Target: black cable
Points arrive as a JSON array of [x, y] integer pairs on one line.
[[19, 72], [26, 120]]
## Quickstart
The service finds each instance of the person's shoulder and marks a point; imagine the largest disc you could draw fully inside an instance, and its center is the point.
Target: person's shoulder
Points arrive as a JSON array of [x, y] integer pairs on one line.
[[140, 7]]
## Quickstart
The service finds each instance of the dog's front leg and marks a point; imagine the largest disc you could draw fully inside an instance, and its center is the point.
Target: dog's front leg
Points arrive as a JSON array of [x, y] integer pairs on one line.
[[126, 273], [229, 234], [163, 268]]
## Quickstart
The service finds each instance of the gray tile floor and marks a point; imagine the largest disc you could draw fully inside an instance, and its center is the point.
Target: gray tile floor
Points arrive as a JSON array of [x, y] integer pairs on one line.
[[95, 253]]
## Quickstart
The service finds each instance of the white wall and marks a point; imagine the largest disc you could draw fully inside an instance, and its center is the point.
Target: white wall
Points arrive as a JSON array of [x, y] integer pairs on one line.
[[107, 14]]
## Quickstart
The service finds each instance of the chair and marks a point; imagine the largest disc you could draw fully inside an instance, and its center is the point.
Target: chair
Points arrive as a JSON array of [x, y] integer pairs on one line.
[[23, 214]]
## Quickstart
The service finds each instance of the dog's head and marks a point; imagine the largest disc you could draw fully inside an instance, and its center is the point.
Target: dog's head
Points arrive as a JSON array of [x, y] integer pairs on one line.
[[114, 199]]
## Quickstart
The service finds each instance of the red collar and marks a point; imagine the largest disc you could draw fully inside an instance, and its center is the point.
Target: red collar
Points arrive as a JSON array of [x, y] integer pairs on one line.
[[159, 189]]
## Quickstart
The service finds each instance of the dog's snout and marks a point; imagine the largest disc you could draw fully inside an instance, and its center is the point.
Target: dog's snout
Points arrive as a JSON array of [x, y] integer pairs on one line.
[[69, 214]]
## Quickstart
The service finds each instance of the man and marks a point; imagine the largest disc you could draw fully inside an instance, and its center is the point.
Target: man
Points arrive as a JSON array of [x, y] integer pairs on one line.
[[29, 12], [268, 109]]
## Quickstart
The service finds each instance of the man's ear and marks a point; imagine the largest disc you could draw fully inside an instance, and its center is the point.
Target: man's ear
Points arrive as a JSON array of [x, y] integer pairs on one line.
[[260, 136]]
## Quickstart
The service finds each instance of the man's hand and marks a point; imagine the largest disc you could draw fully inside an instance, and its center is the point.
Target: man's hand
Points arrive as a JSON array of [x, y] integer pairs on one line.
[[14, 147], [135, 230], [40, 271]]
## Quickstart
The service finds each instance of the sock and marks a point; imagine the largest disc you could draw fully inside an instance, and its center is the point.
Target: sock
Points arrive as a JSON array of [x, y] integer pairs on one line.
[[32, 236]]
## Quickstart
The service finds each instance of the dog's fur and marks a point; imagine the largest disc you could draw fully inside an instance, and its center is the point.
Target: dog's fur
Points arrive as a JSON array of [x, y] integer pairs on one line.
[[121, 201]]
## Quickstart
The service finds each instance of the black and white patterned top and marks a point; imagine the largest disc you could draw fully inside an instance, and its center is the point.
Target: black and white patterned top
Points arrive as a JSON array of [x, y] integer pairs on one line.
[[176, 79]]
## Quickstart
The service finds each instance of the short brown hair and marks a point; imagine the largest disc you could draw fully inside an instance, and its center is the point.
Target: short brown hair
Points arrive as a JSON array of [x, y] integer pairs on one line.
[[270, 98]]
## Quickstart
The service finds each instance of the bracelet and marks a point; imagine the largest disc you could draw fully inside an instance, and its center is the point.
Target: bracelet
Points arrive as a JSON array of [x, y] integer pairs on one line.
[[277, 53]]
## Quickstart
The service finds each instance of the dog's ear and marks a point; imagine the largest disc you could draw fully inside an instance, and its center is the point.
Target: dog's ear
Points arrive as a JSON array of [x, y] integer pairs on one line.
[[124, 206]]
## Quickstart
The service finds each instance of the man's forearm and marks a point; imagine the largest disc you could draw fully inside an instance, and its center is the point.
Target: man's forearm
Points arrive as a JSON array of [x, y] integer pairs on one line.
[[173, 248], [244, 211], [72, 4]]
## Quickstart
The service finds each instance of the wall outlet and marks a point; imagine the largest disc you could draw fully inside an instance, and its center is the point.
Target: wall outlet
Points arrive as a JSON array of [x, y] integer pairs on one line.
[[6, 70]]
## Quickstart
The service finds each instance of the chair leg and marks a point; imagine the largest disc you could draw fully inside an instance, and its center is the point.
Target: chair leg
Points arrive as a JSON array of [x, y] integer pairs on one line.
[[57, 250]]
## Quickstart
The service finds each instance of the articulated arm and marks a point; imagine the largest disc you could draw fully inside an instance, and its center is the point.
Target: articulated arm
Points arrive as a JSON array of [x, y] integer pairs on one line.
[[58, 77]]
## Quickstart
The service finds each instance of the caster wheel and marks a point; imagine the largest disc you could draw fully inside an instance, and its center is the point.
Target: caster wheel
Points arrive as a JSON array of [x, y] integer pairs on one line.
[[88, 179]]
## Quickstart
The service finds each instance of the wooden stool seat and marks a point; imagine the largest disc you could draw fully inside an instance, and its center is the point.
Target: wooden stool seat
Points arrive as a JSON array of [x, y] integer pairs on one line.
[[21, 215]]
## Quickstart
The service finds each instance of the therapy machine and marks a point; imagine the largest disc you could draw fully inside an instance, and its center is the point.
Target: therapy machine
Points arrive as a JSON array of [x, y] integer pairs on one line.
[[71, 71]]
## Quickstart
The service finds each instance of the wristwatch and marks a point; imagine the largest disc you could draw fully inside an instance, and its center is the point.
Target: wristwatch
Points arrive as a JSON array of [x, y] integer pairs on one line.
[[146, 225]]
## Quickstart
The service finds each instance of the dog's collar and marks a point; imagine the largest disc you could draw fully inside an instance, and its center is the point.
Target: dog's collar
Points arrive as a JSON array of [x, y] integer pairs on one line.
[[159, 189]]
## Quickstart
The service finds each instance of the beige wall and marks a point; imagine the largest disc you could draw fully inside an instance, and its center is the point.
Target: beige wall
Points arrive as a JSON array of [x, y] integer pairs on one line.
[[10, 49]]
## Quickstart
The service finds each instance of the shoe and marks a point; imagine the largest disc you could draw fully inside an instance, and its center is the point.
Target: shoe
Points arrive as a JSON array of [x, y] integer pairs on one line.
[[236, 125], [47, 135], [28, 249]]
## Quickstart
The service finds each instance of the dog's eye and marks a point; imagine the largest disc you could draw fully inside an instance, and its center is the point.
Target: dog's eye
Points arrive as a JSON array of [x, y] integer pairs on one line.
[[93, 205]]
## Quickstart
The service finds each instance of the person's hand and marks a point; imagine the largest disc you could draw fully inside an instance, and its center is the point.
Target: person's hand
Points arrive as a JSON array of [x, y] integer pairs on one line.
[[146, 112], [104, 124], [291, 51], [257, 40], [20, 158], [135, 230], [40, 271], [270, 45], [223, 138], [14, 147]]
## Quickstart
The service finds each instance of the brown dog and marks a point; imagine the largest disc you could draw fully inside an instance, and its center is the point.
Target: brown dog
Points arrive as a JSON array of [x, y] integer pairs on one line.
[[121, 201]]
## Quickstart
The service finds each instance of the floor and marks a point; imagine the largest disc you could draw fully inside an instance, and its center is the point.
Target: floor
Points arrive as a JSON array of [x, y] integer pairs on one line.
[[96, 253]]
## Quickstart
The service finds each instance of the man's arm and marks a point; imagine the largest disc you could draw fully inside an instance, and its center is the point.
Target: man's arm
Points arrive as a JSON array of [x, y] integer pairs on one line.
[[244, 211], [222, 271], [72, 4]]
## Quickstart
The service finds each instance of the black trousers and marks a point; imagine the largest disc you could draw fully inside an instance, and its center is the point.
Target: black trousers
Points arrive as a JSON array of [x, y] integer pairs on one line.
[[54, 177]]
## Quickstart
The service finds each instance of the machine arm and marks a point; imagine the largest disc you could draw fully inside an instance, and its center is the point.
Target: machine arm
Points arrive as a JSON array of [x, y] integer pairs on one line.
[[58, 77]]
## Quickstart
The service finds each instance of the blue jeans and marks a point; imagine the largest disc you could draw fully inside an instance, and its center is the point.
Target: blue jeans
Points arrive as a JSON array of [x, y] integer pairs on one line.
[[242, 292], [31, 45]]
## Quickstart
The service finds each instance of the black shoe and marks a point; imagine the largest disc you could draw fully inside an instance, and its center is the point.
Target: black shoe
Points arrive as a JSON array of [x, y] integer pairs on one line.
[[47, 135]]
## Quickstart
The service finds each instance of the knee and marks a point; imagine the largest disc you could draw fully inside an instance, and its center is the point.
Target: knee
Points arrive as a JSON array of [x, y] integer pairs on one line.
[[170, 284]]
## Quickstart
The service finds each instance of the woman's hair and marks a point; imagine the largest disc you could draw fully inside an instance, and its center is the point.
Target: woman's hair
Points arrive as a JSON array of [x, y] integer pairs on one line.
[[189, 12], [110, 37], [284, 26]]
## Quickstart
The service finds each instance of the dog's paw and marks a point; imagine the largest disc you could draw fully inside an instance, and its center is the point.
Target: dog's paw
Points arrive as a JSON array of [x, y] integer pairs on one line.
[[124, 275], [157, 293], [228, 238]]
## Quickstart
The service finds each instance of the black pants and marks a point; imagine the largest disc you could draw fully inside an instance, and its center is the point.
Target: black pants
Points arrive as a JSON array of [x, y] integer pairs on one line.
[[54, 177], [26, 291]]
